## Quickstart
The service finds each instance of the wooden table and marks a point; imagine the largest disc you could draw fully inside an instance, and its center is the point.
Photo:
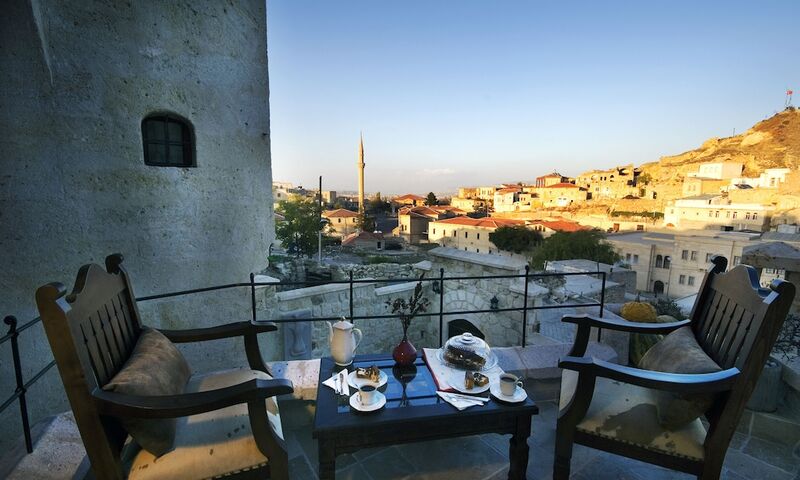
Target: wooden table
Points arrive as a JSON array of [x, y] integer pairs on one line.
[[413, 413]]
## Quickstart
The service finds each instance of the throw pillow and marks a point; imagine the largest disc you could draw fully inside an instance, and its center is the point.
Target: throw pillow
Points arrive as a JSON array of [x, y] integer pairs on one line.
[[155, 367], [679, 352]]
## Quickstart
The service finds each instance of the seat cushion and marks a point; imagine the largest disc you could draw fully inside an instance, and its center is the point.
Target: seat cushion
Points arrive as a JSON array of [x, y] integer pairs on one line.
[[155, 367], [679, 352], [211, 444], [627, 413]]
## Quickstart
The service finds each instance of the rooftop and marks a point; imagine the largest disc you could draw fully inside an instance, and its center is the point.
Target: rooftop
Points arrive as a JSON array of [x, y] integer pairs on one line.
[[339, 212]]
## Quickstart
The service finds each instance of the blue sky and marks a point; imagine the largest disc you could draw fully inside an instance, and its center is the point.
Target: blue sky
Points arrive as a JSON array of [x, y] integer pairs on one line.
[[468, 92]]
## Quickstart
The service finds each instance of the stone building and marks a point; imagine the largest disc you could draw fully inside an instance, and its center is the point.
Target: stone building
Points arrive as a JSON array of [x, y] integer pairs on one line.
[[140, 128], [413, 221], [718, 170], [673, 264], [716, 212], [408, 199], [613, 183], [342, 221]]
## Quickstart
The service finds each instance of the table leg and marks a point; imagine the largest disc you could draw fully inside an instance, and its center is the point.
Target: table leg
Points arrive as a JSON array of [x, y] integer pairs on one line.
[[518, 449], [327, 460]]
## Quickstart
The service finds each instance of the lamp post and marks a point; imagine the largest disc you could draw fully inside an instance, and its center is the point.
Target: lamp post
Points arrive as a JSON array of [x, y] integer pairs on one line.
[[321, 223]]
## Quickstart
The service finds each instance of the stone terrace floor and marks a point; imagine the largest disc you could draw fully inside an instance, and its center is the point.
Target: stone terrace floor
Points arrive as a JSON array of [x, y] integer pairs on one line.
[[486, 456], [766, 447]]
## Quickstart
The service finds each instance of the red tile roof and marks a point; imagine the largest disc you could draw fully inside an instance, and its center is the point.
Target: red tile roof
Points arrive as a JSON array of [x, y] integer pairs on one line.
[[486, 222], [409, 196], [339, 212], [561, 225], [563, 185], [365, 236], [551, 175]]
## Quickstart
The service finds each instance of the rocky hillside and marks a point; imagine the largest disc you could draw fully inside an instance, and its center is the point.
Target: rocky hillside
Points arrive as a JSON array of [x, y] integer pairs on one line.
[[772, 143]]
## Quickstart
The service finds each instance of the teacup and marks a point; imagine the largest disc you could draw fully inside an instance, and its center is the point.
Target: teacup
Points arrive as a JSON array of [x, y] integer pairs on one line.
[[509, 384], [366, 394]]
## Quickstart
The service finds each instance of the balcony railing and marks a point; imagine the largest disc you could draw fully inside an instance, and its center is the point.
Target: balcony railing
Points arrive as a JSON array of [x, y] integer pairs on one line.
[[14, 330]]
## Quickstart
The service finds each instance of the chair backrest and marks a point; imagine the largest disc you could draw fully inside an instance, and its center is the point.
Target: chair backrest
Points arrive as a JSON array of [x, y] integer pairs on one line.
[[734, 319], [92, 332], [736, 322]]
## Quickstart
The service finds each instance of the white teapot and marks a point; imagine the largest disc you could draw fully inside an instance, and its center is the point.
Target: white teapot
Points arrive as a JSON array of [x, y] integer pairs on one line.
[[342, 337]]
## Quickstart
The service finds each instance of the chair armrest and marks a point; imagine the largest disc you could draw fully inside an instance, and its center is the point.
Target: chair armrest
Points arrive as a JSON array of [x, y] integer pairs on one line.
[[172, 406], [669, 382], [236, 329], [624, 325]]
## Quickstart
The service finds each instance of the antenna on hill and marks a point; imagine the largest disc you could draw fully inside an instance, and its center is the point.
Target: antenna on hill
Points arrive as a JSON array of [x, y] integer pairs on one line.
[[788, 102]]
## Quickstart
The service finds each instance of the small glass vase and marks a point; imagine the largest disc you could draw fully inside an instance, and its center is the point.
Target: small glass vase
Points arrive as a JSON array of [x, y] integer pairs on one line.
[[404, 353]]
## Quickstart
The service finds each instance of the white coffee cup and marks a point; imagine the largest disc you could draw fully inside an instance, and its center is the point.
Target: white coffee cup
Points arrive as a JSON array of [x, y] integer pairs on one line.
[[366, 394], [509, 384]]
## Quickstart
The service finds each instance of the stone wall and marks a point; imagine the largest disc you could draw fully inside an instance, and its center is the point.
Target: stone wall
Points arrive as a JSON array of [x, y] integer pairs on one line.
[[79, 77]]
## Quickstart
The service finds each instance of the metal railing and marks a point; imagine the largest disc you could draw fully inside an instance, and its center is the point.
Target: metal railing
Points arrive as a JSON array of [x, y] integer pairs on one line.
[[23, 386]]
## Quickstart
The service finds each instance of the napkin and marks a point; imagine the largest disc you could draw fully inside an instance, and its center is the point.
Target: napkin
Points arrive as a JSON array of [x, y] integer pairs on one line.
[[331, 382], [459, 403]]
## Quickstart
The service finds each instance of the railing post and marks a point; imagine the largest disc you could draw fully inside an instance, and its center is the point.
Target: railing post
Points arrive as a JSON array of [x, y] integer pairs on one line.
[[525, 307], [351, 297], [602, 304], [253, 294], [441, 307], [11, 321]]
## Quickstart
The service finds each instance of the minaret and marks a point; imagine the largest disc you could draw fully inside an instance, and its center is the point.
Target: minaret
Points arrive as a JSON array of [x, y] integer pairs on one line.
[[361, 176]]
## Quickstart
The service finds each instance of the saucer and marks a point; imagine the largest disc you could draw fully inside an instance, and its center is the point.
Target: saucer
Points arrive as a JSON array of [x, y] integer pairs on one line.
[[356, 382], [519, 394], [456, 381], [355, 402]]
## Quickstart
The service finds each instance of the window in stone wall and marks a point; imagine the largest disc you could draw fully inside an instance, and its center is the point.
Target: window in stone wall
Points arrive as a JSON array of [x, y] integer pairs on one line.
[[168, 141], [685, 255], [635, 258], [755, 216], [682, 279], [691, 280], [694, 255]]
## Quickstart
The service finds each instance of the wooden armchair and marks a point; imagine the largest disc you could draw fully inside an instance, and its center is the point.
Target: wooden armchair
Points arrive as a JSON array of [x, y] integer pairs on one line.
[[229, 423], [610, 407]]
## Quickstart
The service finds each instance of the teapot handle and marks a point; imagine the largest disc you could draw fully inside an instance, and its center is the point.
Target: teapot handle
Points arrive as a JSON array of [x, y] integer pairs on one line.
[[358, 334]]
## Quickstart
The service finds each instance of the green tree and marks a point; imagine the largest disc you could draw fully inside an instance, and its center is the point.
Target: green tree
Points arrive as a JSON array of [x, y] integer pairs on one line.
[[298, 232], [378, 204], [431, 200], [365, 223], [583, 244], [517, 239]]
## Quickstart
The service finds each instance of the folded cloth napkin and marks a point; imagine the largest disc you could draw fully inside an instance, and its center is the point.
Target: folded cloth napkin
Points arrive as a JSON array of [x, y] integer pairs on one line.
[[441, 372], [331, 382], [459, 403]]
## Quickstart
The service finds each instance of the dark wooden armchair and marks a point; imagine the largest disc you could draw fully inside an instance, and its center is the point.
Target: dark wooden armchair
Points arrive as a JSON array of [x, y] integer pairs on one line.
[[609, 407], [92, 332]]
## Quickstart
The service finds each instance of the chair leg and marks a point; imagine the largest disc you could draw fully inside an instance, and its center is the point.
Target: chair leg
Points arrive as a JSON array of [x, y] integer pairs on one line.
[[563, 452]]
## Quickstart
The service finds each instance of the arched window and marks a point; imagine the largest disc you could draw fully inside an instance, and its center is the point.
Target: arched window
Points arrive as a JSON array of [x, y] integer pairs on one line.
[[168, 141], [666, 261], [659, 261]]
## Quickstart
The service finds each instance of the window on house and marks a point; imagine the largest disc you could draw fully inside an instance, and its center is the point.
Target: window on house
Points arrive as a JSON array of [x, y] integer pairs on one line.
[[710, 214], [685, 255], [755, 216], [734, 214], [737, 260], [635, 258], [694, 255], [682, 279], [747, 215], [667, 261], [340, 220], [434, 231], [716, 214], [628, 257], [640, 228], [728, 214], [691, 280], [659, 261], [454, 233], [708, 257], [479, 235], [466, 234], [477, 250], [168, 141]]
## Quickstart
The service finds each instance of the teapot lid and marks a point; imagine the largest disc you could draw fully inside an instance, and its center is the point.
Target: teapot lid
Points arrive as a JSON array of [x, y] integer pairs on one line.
[[343, 324]]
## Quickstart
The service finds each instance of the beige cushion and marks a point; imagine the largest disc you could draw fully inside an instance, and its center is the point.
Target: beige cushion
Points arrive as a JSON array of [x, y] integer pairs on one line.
[[212, 444], [155, 367], [679, 352], [627, 413]]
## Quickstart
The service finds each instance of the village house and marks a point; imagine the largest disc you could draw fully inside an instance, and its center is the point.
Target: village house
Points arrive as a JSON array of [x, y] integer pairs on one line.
[[468, 204], [718, 170], [507, 199], [561, 195], [550, 179], [408, 199], [619, 182], [412, 222], [716, 212], [342, 222], [364, 241]]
